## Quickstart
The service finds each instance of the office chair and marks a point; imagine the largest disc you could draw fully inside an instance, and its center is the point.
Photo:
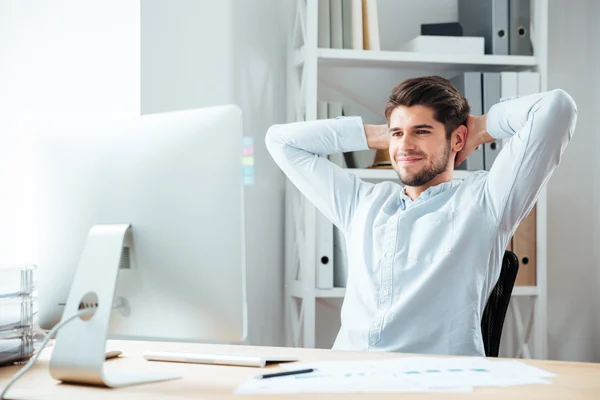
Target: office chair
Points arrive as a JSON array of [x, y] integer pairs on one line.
[[497, 304]]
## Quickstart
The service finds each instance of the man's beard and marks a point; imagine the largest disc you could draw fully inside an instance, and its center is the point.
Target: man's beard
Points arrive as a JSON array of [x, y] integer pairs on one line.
[[429, 172]]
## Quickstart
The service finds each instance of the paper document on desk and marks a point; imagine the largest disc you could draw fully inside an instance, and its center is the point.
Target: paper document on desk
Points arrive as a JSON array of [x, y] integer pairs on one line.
[[403, 374], [338, 377], [440, 373]]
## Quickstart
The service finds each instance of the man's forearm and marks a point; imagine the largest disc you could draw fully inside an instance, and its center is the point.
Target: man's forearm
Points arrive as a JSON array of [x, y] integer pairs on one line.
[[477, 127], [378, 137], [298, 149], [506, 119]]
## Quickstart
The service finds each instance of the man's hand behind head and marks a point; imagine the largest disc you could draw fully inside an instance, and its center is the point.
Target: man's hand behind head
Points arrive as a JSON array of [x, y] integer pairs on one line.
[[476, 136]]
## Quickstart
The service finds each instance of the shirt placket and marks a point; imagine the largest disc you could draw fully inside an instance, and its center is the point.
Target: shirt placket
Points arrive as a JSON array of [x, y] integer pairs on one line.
[[385, 284]]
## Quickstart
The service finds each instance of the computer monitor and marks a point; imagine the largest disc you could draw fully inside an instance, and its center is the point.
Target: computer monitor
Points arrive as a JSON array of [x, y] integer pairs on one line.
[[176, 179]]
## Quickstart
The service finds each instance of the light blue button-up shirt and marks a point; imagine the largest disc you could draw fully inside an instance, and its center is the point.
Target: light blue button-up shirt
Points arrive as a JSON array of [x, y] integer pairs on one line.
[[420, 272]]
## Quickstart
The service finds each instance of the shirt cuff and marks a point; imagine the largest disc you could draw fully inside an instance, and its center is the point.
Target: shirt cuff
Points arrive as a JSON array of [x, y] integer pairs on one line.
[[496, 123], [351, 134]]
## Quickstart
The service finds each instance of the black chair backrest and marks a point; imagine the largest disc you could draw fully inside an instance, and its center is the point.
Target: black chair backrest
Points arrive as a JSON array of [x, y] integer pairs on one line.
[[497, 305]]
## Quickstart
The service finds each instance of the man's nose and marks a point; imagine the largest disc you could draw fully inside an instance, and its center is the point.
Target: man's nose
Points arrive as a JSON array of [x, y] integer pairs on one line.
[[408, 143]]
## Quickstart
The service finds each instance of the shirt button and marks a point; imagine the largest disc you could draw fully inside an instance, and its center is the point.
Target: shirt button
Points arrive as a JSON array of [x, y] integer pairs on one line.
[[376, 324], [393, 220], [388, 254], [385, 293]]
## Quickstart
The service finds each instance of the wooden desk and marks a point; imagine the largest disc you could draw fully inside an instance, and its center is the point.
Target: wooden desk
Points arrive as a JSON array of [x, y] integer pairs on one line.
[[574, 381]]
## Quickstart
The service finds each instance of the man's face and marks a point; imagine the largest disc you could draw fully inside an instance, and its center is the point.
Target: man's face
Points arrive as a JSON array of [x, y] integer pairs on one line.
[[419, 149]]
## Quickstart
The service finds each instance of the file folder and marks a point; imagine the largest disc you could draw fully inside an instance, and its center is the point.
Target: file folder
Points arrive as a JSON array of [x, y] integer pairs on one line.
[[508, 84], [469, 85], [487, 19], [491, 96], [324, 252], [324, 34], [519, 14], [340, 258], [336, 24], [524, 247], [370, 25], [347, 23], [528, 83]]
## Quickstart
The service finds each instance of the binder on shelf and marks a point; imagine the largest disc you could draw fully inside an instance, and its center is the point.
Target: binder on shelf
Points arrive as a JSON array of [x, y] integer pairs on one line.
[[347, 24], [370, 25], [488, 19], [357, 25], [508, 84], [469, 85], [491, 95], [324, 34], [528, 83], [352, 24], [324, 253], [322, 112], [519, 39], [524, 247], [336, 24], [335, 109], [340, 259]]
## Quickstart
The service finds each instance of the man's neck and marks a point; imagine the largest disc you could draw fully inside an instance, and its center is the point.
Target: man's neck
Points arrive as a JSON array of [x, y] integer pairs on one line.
[[415, 191]]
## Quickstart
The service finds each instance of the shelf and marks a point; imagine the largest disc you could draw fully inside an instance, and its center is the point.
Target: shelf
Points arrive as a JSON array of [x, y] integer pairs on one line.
[[421, 61], [387, 174], [295, 290], [525, 291]]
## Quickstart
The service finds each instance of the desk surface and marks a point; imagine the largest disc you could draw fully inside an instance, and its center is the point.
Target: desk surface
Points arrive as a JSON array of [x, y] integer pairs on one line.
[[574, 380]]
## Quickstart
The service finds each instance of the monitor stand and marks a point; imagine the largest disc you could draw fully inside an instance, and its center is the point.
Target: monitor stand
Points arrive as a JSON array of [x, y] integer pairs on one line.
[[79, 352]]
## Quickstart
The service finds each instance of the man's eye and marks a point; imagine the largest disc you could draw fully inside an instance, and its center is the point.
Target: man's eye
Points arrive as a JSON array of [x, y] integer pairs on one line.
[[422, 132], [396, 133]]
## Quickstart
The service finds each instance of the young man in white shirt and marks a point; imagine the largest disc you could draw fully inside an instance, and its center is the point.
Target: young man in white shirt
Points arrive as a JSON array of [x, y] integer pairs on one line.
[[424, 258]]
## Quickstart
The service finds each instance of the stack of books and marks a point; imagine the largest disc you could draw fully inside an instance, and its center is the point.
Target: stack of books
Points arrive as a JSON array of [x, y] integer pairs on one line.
[[17, 303], [348, 24]]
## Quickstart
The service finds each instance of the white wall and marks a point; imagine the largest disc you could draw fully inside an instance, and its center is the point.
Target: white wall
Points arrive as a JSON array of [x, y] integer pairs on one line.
[[66, 55], [187, 49], [71, 56], [595, 84], [573, 192], [58, 57]]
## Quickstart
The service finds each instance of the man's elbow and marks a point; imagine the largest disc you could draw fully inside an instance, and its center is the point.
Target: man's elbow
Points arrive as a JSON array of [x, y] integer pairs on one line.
[[273, 137], [563, 108], [563, 100]]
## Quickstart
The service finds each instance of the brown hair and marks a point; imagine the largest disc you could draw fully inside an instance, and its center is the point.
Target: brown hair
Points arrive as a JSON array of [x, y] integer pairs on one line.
[[449, 106]]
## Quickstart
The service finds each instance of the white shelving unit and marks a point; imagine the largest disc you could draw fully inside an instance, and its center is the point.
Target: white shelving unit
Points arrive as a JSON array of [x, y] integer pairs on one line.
[[528, 336], [424, 61]]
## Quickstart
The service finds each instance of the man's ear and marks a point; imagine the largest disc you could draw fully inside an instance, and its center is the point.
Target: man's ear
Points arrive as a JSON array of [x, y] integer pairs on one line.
[[459, 138]]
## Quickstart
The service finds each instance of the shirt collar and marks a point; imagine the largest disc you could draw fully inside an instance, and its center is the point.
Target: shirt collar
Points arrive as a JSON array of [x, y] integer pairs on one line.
[[428, 193]]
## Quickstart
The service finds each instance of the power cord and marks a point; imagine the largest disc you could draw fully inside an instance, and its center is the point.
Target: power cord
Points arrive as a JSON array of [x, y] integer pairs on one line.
[[48, 337]]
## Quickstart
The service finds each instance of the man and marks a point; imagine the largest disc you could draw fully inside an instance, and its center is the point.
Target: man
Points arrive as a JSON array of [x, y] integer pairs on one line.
[[424, 258]]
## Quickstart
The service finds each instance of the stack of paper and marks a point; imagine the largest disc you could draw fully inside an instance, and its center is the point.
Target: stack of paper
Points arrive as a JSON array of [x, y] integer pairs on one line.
[[406, 374], [16, 313]]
